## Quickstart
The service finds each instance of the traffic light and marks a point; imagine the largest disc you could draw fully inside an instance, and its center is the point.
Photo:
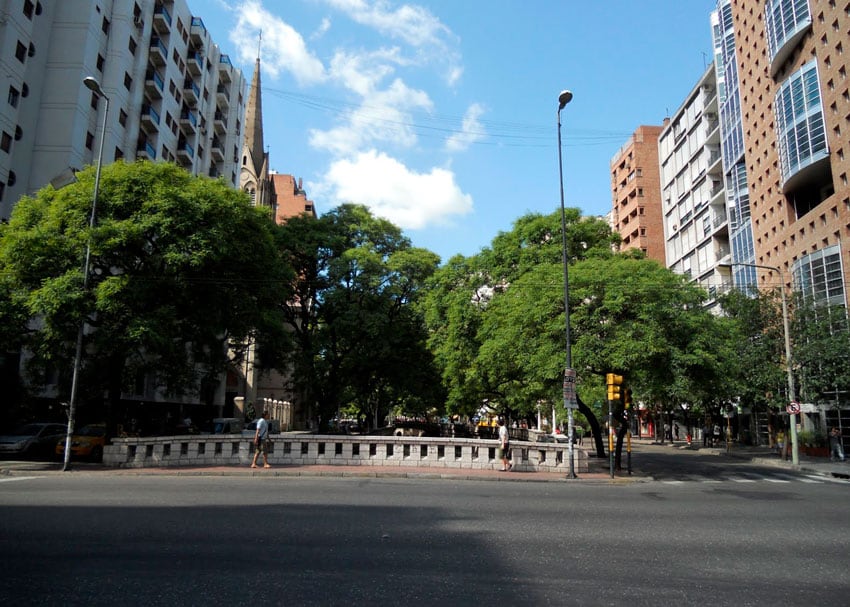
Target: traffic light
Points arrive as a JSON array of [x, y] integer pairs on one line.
[[627, 398], [614, 382]]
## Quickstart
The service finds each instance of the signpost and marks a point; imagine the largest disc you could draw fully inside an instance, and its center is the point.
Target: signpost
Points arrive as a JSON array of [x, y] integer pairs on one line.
[[570, 401]]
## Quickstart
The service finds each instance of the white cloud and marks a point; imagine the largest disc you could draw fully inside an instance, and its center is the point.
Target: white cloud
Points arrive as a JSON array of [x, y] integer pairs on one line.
[[383, 118], [391, 190], [283, 48], [471, 130], [323, 28], [413, 24]]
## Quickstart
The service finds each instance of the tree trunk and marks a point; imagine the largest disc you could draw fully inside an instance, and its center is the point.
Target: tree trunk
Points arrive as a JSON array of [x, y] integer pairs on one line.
[[594, 426]]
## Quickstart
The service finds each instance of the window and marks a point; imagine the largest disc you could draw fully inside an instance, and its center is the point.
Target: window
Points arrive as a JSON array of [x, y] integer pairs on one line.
[[105, 26], [2, 189], [818, 276], [89, 140], [31, 50], [19, 132], [12, 179], [25, 90], [94, 100], [14, 95], [132, 46], [122, 118], [100, 61], [799, 121], [20, 52], [128, 81], [119, 154], [29, 7], [783, 20], [5, 142]]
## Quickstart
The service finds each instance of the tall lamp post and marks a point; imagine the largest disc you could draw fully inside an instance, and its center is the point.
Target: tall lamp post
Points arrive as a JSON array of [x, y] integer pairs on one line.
[[789, 369], [94, 86], [569, 373]]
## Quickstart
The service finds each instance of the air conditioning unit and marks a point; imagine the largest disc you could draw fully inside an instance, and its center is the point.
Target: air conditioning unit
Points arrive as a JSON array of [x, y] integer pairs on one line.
[[139, 22]]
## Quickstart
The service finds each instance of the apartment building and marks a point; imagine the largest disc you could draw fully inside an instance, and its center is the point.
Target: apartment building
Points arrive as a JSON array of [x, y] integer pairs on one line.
[[795, 118], [696, 228], [173, 95], [636, 194], [785, 122]]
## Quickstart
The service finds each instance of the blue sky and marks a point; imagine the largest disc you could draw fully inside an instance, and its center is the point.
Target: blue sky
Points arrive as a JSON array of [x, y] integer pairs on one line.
[[441, 115]]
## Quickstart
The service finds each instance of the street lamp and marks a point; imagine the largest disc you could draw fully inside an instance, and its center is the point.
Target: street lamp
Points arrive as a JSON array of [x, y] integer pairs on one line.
[[569, 373], [792, 395], [94, 86]]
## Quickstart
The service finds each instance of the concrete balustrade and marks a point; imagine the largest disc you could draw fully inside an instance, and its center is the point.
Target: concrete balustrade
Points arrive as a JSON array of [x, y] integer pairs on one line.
[[310, 449]]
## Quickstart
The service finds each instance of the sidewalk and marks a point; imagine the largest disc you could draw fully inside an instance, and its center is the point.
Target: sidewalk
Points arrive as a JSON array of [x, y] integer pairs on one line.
[[599, 468], [767, 457], [598, 472]]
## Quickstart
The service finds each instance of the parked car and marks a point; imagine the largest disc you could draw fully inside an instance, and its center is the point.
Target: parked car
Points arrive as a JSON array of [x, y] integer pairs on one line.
[[87, 442], [32, 439]]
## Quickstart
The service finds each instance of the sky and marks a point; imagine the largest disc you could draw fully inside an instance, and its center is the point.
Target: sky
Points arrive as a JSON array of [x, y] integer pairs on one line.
[[441, 115]]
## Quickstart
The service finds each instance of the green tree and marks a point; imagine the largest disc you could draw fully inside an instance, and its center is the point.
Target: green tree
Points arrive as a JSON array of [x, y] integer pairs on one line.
[[822, 351], [360, 337], [757, 347], [182, 270], [480, 310]]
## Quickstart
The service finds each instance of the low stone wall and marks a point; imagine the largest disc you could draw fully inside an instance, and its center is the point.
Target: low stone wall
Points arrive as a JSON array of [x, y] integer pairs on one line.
[[311, 449]]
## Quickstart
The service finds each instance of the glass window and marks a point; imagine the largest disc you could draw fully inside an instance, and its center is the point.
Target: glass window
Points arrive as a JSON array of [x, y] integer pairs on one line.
[[799, 121], [783, 19]]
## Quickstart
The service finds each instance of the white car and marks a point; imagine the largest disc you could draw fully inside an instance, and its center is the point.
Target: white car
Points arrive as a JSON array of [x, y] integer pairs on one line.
[[32, 439]]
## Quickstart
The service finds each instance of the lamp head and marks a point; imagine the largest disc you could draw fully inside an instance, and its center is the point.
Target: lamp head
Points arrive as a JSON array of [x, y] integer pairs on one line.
[[564, 98], [93, 85]]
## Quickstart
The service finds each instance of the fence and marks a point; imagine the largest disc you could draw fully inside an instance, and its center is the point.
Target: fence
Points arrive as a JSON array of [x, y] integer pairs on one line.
[[310, 449]]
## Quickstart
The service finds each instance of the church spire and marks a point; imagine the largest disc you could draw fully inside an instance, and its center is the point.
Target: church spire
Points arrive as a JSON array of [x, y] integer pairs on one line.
[[254, 177], [253, 145]]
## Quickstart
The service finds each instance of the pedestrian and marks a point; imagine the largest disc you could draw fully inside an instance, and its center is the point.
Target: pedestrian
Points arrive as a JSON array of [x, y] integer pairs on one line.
[[505, 445], [836, 449], [780, 443], [676, 430], [706, 433], [716, 434], [261, 441]]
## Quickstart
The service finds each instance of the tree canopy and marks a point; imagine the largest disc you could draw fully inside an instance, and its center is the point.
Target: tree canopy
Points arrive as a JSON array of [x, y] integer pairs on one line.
[[182, 268]]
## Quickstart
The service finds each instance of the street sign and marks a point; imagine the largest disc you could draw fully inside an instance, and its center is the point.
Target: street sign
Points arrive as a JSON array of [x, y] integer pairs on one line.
[[793, 408], [570, 401]]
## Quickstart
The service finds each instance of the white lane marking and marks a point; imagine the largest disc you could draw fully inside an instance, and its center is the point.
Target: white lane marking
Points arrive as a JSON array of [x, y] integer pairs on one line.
[[9, 479]]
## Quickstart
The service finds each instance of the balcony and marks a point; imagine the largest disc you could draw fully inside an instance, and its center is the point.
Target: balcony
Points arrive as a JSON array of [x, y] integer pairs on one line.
[[194, 62], [224, 69], [222, 95], [158, 51], [154, 84], [150, 119], [188, 119], [161, 20], [145, 151], [191, 92], [217, 150], [220, 123], [185, 152], [198, 31]]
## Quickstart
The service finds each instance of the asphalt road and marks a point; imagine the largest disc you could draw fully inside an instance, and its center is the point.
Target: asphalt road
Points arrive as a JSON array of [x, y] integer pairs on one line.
[[168, 540]]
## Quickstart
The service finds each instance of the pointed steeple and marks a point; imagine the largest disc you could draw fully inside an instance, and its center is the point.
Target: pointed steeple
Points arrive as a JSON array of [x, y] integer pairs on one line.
[[253, 145]]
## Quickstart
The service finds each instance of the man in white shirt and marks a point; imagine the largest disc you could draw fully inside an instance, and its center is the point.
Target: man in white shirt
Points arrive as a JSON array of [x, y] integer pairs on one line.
[[261, 441], [504, 443]]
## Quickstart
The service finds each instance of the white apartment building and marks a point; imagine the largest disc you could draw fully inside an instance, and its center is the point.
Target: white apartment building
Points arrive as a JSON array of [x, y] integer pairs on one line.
[[172, 94], [696, 231]]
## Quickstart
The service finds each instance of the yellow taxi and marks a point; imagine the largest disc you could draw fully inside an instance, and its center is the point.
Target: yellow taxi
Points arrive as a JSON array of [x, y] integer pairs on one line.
[[87, 442]]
